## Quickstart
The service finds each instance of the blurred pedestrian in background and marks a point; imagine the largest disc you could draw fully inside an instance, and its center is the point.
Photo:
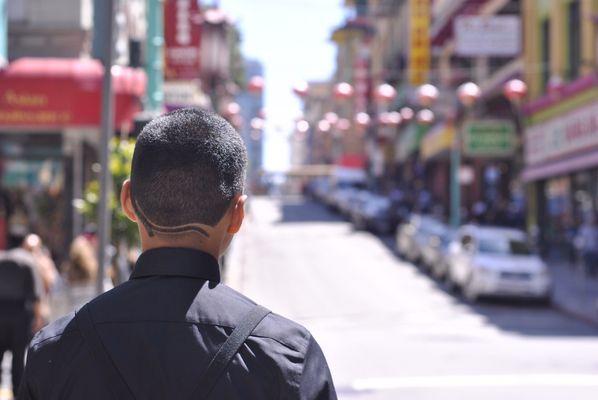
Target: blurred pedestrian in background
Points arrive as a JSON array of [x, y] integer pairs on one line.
[[587, 242], [21, 297], [80, 272]]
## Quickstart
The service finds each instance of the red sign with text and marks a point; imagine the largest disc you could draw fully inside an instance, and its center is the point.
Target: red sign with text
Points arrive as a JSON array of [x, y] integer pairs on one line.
[[182, 35]]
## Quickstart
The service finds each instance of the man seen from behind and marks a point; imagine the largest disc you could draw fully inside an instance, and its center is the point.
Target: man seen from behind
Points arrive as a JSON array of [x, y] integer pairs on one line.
[[173, 331]]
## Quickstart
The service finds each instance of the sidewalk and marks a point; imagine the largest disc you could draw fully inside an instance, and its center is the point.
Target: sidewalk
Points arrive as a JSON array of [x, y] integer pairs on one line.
[[574, 293]]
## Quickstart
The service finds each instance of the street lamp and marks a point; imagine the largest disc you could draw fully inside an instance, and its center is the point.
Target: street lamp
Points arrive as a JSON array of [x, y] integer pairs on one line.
[[425, 117], [331, 117], [385, 93], [515, 90], [256, 84], [343, 91], [362, 119], [343, 124], [427, 94], [407, 114], [324, 125], [468, 93], [301, 88]]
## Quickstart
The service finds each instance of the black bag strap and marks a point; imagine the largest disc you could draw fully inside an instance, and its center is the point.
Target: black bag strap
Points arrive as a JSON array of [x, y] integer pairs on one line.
[[112, 377], [225, 354]]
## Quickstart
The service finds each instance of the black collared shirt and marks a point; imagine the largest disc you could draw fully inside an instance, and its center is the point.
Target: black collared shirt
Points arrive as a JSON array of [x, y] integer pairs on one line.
[[161, 328]]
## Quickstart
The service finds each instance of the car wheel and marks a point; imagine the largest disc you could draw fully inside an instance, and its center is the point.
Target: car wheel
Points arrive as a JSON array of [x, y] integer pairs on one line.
[[450, 283], [546, 300], [469, 291]]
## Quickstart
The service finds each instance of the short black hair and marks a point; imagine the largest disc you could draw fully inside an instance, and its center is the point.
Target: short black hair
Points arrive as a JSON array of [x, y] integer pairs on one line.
[[187, 167]]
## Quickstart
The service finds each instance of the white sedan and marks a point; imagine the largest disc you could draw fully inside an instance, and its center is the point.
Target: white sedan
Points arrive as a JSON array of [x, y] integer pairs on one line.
[[493, 261]]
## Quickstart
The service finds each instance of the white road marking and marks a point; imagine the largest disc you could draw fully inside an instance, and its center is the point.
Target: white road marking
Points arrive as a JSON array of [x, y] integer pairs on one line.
[[473, 381]]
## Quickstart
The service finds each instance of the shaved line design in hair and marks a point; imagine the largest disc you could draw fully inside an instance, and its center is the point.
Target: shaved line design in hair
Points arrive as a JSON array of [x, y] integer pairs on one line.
[[152, 227]]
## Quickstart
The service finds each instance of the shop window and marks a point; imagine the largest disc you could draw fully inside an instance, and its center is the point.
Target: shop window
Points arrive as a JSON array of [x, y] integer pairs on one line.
[[545, 52], [574, 39]]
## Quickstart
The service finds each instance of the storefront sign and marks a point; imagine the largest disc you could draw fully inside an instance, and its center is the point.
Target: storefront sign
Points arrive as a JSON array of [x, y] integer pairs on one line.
[[29, 96], [439, 139], [489, 138], [419, 41], [179, 94], [498, 35], [182, 34], [574, 131]]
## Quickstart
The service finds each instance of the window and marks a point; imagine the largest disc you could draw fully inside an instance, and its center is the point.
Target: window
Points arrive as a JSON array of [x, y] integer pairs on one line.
[[574, 39], [504, 247], [545, 56]]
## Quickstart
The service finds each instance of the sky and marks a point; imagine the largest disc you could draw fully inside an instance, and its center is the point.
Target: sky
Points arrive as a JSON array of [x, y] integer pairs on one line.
[[292, 40]]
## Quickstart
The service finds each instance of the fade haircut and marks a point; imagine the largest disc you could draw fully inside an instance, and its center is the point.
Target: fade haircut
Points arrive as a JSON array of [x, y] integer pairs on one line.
[[187, 167]]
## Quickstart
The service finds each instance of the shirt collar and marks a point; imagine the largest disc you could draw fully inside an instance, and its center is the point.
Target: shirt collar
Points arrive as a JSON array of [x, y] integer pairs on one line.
[[177, 261]]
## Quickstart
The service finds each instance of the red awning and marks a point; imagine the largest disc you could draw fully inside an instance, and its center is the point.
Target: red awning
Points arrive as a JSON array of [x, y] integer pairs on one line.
[[60, 92], [351, 161]]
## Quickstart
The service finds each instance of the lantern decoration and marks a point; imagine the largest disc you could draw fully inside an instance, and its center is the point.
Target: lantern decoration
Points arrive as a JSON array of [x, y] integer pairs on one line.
[[331, 117], [256, 84], [515, 90], [427, 94], [469, 93], [343, 91], [302, 126], [262, 113], [324, 125], [257, 123], [425, 116], [343, 124], [406, 114], [301, 88], [385, 93], [232, 109], [362, 119], [394, 118]]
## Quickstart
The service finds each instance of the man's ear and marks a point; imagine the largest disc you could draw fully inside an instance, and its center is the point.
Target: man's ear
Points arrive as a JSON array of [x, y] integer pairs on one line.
[[237, 214], [127, 202]]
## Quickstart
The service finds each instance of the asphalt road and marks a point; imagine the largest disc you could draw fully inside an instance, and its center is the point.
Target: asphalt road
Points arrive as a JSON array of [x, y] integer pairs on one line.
[[390, 332]]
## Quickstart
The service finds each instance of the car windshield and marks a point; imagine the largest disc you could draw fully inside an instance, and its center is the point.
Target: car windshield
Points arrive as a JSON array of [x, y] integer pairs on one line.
[[504, 246]]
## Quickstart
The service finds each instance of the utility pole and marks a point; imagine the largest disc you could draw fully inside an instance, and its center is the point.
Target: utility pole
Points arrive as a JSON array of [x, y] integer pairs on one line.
[[106, 7], [3, 33], [154, 62]]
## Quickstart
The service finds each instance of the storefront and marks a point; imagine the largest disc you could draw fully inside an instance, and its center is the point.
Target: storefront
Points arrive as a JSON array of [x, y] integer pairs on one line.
[[49, 130], [434, 153], [561, 157]]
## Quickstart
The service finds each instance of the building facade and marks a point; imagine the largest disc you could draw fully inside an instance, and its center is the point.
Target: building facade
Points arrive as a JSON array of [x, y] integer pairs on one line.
[[561, 125]]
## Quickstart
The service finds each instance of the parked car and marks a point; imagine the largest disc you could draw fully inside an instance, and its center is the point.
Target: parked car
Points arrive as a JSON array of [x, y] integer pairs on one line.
[[413, 235], [494, 261], [373, 212], [434, 252]]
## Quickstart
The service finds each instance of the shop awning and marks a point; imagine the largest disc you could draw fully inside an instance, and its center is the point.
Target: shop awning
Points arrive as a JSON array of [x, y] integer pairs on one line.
[[562, 167], [409, 141], [439, 140], [58, 93]]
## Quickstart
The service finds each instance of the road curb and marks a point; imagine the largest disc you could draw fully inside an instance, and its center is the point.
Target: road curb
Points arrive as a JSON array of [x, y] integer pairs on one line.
[[573, 313]]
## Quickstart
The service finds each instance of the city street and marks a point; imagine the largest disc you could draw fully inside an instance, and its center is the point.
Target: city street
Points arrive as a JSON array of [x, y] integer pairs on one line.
[[391, 332]]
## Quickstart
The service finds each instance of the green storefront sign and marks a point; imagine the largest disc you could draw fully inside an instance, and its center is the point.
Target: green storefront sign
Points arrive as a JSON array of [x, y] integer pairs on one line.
[[489, 138]]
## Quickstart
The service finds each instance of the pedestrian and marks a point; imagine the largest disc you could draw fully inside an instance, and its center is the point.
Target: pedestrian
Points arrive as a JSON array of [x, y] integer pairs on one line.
[[588, 244], [21, 293], [173, 331], [78, 283]]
